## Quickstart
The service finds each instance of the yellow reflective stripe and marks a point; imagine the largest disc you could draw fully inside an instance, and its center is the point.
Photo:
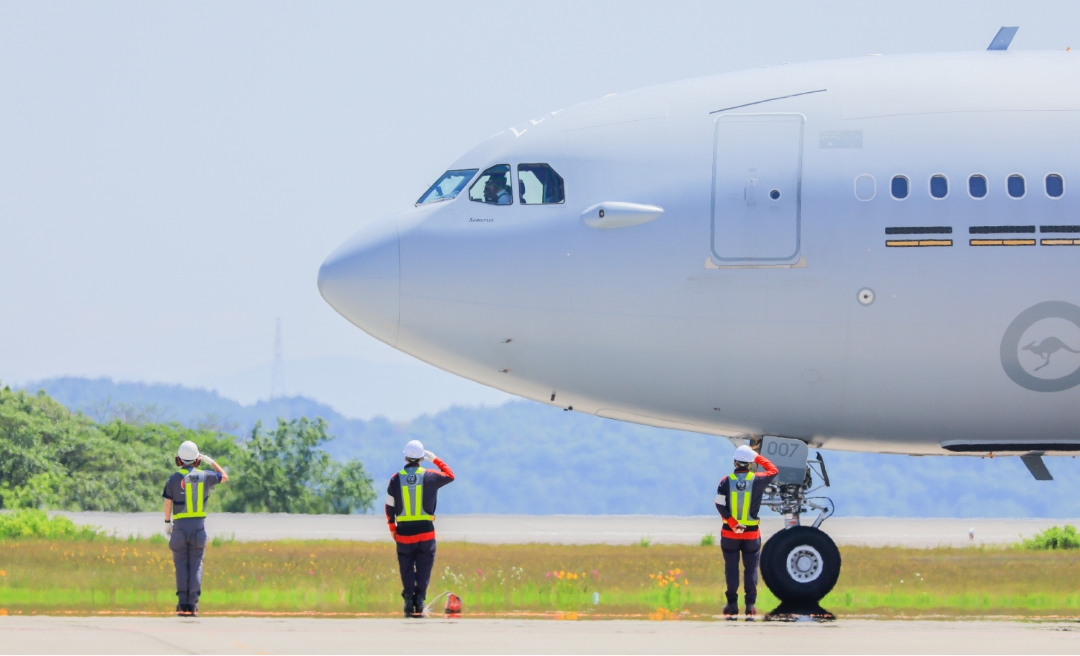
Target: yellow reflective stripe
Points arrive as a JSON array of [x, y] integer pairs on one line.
[[740, 501], [412, 506], [189, 503]]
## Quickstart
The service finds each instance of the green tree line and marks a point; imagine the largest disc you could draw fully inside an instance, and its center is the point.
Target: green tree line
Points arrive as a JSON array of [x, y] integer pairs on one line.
[[51, 458]]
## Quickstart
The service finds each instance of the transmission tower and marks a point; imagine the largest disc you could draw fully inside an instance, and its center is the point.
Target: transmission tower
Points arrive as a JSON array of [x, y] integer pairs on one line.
[[276, 383]]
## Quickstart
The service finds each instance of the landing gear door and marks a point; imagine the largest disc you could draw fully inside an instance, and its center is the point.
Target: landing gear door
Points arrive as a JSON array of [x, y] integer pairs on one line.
[[789, 456], [757, 189]]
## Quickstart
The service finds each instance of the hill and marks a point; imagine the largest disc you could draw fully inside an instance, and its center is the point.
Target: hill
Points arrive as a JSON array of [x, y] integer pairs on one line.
[[525, 457]]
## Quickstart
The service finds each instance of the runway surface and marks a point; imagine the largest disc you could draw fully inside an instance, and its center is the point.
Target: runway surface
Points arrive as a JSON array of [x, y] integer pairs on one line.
[[131, 635], [578, 529]]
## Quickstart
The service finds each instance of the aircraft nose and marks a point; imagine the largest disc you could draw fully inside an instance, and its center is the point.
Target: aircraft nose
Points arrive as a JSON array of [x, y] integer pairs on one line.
[[361, 279]]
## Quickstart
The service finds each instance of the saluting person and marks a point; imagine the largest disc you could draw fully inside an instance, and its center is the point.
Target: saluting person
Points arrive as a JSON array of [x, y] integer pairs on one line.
[[186, 493], [410, 512], [738, 499]]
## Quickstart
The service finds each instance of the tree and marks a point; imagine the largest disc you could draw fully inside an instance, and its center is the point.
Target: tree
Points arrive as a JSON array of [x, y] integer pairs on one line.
[[51, 458], [285, 471], [350, 489]]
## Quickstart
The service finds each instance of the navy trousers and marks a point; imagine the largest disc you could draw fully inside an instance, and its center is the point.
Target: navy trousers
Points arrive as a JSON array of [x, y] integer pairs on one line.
[[415, 561], [750, 550], [188, 543]]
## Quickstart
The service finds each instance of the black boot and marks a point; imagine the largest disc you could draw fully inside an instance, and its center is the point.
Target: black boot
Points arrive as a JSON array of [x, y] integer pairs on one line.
[[419, 604], [194, 608], [731, 611], [180, 609], [409, 603]]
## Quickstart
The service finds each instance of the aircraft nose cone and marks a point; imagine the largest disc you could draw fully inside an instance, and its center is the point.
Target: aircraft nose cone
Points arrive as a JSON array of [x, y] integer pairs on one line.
[[361, 279]]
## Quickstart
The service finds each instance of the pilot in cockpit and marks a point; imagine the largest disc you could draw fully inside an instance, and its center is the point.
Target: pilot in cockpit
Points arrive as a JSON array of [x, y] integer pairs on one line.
[[496, 190]]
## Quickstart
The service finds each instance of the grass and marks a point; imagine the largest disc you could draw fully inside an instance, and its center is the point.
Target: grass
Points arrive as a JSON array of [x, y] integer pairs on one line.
[[354, 578]]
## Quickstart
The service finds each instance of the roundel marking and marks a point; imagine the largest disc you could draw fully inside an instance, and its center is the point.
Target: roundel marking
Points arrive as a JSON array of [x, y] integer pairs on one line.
[[1010, 346]]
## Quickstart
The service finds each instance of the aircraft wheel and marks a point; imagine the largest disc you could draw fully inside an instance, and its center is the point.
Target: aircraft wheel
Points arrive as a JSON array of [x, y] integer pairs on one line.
[[766, 573], [801, 565]]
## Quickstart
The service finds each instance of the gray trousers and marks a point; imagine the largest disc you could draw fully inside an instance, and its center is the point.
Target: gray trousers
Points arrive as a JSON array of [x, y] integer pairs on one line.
[[188, 544]]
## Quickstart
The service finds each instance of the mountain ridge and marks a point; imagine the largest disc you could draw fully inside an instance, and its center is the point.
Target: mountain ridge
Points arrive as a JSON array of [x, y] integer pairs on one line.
[[524, 457]]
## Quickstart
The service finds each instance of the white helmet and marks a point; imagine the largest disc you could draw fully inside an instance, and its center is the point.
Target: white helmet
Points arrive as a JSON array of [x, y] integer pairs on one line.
[[745, 454], [414, 450], [188, 452]]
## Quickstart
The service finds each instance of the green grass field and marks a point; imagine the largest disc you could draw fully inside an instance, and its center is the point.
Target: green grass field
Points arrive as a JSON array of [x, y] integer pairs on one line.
[[352, 578]]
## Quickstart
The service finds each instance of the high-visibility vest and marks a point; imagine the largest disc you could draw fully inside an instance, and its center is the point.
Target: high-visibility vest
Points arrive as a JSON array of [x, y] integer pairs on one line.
[[193, 495], [412, 496], [740, 492]]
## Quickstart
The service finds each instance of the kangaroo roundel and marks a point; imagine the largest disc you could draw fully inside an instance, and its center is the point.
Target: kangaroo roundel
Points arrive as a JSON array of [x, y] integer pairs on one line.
[[1040, 350]]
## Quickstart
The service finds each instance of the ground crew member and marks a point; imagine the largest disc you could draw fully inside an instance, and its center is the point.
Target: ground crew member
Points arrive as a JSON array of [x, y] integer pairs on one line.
[[410, 512], [185, 494], [738, 498]]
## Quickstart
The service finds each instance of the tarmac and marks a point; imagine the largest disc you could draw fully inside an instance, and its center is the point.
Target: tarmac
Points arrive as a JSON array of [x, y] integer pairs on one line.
[[247, 635], [579, 529]]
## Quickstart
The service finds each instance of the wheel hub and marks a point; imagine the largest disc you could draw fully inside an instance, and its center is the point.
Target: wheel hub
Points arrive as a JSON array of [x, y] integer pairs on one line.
[[804, 563]]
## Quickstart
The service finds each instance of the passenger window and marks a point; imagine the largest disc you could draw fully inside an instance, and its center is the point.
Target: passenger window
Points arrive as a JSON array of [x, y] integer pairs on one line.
[[865, 187], [939, 186], [1055, 186], [899, 187], [977, 186], [539, 184], [1016, 186], [493, 186], [447, 187]]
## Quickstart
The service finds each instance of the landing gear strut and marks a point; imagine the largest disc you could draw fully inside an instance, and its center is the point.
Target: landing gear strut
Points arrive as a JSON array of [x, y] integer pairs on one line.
[[799, 564]]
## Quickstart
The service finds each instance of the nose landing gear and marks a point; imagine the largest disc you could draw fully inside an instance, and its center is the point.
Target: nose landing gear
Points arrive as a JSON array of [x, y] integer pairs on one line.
[[799, 564]]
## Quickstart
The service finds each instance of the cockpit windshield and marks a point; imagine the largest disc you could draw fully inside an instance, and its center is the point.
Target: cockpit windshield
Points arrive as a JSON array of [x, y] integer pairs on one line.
[[448, 186]]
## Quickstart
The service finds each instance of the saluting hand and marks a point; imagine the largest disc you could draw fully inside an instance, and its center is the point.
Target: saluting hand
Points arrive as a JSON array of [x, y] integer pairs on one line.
[[428, 455]]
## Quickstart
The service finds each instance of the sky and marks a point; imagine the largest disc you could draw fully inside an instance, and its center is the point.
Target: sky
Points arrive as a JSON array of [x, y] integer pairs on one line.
[[173, 174]]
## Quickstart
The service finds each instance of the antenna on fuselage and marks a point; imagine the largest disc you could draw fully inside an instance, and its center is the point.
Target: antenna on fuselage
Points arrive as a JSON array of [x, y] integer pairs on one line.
[[1003, 39]]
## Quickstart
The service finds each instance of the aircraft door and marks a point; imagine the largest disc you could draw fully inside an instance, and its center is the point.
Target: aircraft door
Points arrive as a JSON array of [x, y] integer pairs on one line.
[[757, 175]]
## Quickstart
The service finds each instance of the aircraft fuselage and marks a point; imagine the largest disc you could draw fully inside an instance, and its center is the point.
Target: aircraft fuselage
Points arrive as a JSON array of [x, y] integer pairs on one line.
[[785, 289]]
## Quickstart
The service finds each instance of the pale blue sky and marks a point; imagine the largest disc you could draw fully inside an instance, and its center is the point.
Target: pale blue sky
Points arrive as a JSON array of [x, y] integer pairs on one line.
[[172, 174]]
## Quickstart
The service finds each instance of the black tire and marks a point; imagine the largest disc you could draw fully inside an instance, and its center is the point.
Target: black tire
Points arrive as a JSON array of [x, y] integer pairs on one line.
[[802, 565], [766, 573]]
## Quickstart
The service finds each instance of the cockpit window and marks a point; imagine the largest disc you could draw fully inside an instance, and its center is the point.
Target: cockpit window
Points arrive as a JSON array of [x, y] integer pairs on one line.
[[493, 186], [449, 186], [539, 184]]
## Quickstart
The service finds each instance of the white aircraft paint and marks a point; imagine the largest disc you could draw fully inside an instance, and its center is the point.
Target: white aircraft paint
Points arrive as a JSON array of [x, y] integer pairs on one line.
[[705, 304]]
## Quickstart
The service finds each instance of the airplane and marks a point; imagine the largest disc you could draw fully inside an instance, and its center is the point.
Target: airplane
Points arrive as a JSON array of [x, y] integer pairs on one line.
[[876, 254]]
